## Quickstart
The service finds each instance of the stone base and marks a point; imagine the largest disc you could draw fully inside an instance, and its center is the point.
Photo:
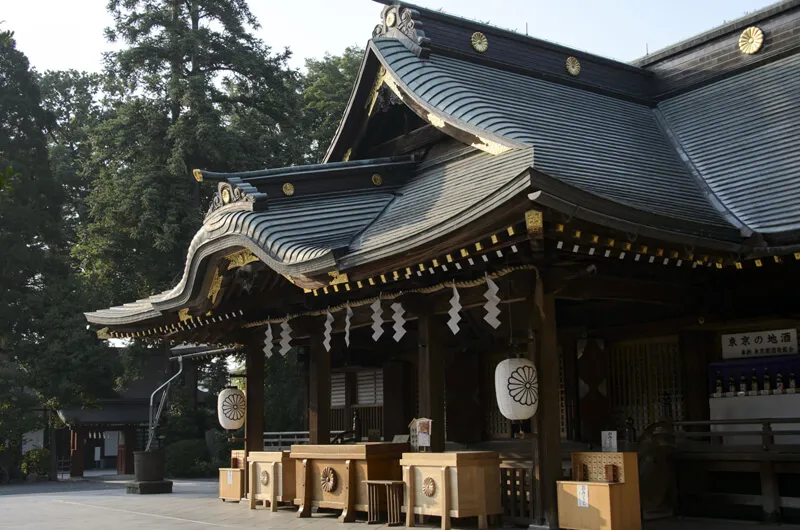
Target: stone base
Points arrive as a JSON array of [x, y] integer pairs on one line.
[[148, 488]]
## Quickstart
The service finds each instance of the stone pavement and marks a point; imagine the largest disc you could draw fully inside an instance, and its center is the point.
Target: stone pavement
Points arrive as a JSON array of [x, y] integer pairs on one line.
[[101, 503]]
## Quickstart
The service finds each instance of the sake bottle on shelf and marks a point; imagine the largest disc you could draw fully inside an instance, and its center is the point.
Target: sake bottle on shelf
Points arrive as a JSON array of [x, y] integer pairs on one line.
[[718, 385], [754, 383], [742, 385], [731, 386], [792, 384], [767, 383], [778, 384]]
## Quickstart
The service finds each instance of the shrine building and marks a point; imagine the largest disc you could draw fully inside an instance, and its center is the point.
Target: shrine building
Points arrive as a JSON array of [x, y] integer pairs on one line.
[[632, 229]]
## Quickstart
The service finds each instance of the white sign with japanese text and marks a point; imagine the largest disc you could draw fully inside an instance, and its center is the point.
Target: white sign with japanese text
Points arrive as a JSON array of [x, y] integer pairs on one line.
[[609, 441], [759, 343], [583, 495]]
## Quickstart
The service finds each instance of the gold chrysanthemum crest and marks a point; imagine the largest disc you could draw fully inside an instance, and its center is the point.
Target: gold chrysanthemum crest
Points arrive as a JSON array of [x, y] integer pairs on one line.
[[479, 42], [751, 40], [573, 66], [288, 189]]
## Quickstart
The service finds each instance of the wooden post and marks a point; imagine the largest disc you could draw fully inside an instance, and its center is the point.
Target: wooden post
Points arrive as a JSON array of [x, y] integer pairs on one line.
[[319, 394], [127, 445], [697, 351], [77, 439], [396, 412], [254, 413], [547, 443], [431, 377]]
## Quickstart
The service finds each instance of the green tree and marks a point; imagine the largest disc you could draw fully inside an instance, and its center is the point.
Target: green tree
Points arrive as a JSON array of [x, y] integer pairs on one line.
[[71, 98], [326, 90], [192, 88]]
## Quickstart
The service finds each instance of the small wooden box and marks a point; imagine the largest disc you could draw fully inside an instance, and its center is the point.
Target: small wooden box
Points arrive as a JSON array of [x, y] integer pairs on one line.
[[591, 502], [231, 484], [272, 478], [460, 484]]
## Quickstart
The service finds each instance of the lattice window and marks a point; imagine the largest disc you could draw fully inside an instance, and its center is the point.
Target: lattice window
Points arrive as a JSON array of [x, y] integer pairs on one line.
[[646, 382], [369, 387], [338, 390]]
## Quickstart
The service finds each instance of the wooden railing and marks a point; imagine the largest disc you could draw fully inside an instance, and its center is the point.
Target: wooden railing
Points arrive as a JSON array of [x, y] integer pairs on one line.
[[745, 456], [281, 441], [371, 417], [729, 436]]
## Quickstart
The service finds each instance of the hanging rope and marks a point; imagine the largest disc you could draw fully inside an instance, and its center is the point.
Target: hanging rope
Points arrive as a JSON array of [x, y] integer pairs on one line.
[[391, 296]]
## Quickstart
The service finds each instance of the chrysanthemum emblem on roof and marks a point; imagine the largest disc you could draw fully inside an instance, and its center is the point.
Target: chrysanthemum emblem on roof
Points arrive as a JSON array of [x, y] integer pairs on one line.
[[751, 40]]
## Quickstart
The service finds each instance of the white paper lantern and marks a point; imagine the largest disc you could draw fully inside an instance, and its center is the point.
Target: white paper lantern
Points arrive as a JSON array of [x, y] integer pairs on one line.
[[231, 407], [516, 384]]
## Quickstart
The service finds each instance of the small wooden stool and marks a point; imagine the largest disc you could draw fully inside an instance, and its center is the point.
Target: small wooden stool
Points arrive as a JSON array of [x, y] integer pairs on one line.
[[394, 499]]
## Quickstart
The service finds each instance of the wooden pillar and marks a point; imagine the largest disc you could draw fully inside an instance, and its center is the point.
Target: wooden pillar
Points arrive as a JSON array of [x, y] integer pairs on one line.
[[319, 393], [127, 445], [254, 415], [546, 422], [697, 351], [76, 447], [396, 386], [190, 380], [431, 376]]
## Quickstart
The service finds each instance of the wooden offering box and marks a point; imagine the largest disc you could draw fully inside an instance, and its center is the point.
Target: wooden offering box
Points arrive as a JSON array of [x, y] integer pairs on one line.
[[332, 476], [231, 484], [272, 478], [231, 480], [461, 484], [591, 502]]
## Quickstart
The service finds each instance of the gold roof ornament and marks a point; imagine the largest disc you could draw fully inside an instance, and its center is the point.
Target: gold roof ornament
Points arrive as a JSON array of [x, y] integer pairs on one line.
[[346, 156], [184, 315], [391, 19], [751, 40], [338, 278], [198, 175], [377, 179], [240, 259], [226, 196], [288, 189], [479, 42], [573, 66], [215, 287]]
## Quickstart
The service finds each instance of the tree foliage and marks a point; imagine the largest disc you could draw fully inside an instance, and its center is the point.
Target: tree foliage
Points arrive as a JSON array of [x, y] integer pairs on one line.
[[191, 88], [326, 92], [97, 203]]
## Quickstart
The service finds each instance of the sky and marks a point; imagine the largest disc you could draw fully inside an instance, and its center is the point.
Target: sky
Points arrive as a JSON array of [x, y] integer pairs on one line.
[[63, 34]]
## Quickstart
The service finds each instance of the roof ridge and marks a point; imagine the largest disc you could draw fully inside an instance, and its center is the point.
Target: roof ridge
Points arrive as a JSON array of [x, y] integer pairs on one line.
[[723, 29], [442, 14]]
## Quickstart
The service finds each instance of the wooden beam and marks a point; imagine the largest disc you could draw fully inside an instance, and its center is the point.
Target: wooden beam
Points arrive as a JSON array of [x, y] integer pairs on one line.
[[624, 289], [427, 134], [319, 394], [431, 376]]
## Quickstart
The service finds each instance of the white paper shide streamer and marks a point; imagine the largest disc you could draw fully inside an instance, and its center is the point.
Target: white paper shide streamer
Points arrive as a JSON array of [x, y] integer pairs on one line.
[[399, 321], [455, 307], [492, 302], [377, 320], [347, 317], [286, 338], [268, 341], [328, 330]]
